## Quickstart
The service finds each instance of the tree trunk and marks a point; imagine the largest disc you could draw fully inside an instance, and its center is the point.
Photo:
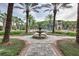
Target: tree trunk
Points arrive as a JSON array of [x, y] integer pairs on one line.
[[8, 23], [54, 18], [77, 34], [27, 19]]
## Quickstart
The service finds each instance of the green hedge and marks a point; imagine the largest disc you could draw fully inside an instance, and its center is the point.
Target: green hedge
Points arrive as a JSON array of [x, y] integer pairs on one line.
[[50, 33], [67, 33], [71, 33], [62, 33], [16, 32], [1, 32], [13, 32]]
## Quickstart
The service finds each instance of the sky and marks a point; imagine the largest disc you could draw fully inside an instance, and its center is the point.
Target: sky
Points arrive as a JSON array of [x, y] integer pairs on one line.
[[63, 14]]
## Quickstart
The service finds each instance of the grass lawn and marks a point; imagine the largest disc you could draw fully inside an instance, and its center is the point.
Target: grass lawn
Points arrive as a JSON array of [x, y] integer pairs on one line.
[[60, 33], [11, 50], [57, 33], [17, 32], [69, 47]]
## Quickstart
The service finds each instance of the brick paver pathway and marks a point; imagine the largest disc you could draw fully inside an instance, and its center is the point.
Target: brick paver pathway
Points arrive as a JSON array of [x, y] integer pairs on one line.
[[42, 47]]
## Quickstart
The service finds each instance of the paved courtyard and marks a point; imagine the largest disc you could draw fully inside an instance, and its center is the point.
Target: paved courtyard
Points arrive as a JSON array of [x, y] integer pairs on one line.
[[41, 47]]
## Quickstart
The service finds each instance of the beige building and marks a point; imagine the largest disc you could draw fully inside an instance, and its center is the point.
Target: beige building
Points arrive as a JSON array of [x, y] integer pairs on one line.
[[59, 24]]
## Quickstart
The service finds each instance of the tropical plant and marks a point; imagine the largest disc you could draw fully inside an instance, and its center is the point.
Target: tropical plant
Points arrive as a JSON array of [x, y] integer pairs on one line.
[[69, 25], [31, 22], [50, 21], [17, 22]]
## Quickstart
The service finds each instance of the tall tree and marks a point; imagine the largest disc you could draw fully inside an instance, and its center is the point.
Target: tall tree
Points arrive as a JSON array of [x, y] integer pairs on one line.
[[27, 7], [55, 9], [8, 23], [77, 34]]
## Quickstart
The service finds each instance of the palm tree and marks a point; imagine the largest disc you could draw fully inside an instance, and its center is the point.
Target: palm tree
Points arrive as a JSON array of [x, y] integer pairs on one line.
[[56, 8], [77, 34], [50, 21], [8, 23], [3, 17], [19, 23], [31, 21], [27, 7]]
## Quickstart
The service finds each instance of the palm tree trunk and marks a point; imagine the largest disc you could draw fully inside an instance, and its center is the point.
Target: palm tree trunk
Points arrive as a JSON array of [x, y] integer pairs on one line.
[[54, 18], [77, 34], [27, 19], [8, 23]]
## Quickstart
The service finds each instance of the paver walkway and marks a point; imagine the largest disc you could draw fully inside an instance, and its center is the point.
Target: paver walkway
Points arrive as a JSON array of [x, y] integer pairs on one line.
[[42, 47]]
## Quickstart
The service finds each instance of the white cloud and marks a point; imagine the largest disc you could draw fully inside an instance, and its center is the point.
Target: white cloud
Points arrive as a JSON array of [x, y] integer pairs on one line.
[[68, 14]]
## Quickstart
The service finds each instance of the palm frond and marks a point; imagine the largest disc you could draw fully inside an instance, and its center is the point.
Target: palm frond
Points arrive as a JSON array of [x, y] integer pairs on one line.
[[55, 4], [36, 10], [37, 7], [48, 10], [18, 7], [1, 17], [66, 5], [34, 4], [2, 14], [22, 4], [24, 11], [46, 5], [27, 5]]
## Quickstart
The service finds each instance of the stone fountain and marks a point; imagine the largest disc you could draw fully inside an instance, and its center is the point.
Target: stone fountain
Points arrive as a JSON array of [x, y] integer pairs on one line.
[[39, 34]]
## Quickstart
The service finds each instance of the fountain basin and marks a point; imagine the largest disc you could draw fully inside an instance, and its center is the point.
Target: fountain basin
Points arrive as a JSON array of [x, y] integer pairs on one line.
[[42, 36]]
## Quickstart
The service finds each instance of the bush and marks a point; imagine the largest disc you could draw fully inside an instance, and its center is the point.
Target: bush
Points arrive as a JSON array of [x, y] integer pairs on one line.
[[71, 33], [62, 33], [16, 32], [67, 33], [19, 32], [1, 32]]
